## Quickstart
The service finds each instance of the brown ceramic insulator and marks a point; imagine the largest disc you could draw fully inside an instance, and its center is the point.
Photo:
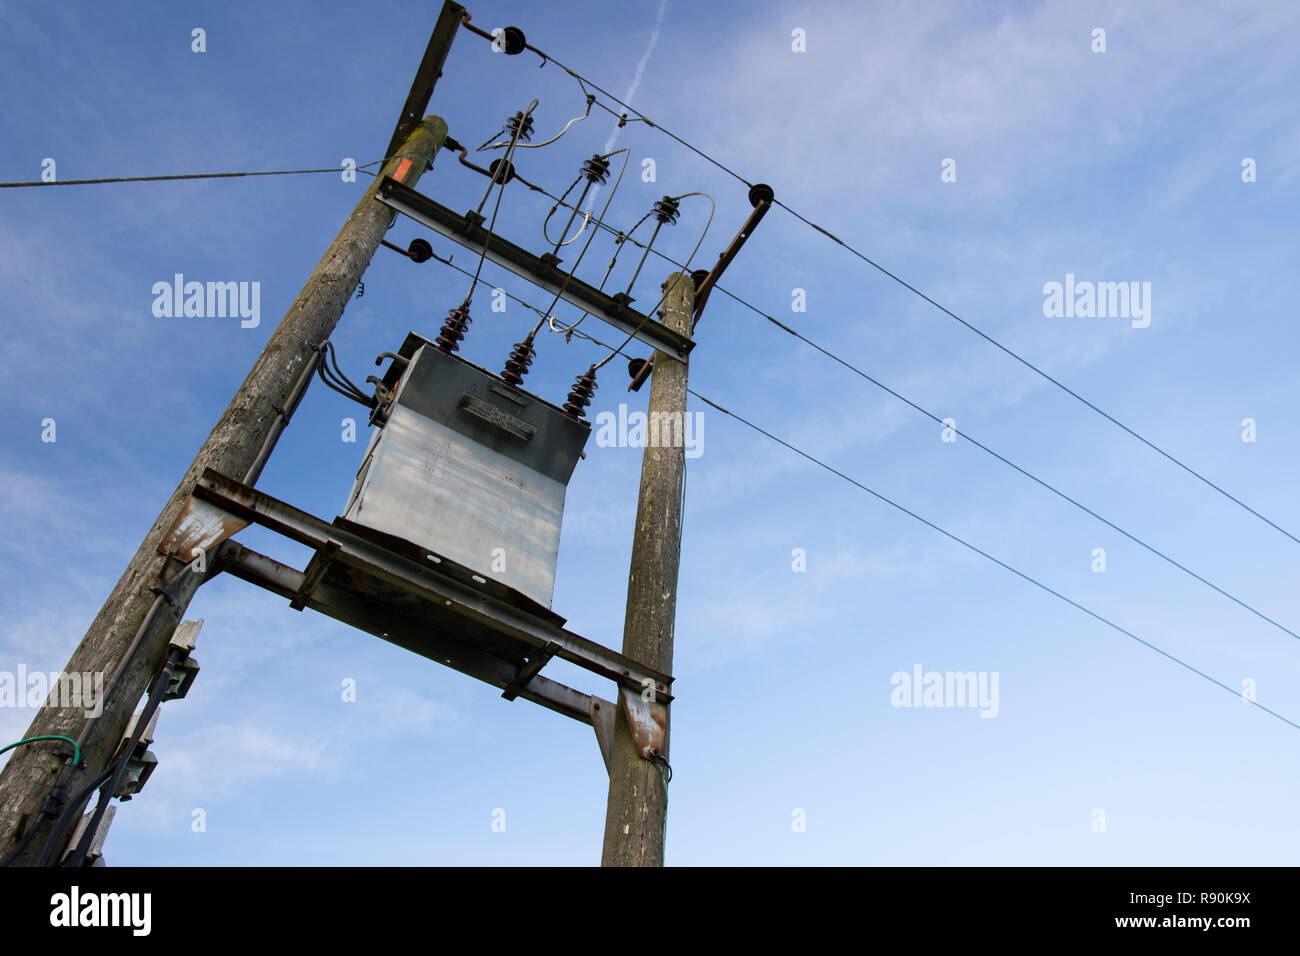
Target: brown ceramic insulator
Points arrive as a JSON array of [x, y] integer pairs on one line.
[[521, 357], [580, 397], [453, 330]]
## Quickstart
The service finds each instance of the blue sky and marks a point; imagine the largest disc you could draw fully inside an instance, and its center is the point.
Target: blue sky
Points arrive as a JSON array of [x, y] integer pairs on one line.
[[1117, 166]]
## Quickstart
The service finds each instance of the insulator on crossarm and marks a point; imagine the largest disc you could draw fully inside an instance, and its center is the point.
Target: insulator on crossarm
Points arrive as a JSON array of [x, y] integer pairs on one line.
[[521, 357], [665, 210], [521, 122], [453, 330], [596, 169], [580, 396]]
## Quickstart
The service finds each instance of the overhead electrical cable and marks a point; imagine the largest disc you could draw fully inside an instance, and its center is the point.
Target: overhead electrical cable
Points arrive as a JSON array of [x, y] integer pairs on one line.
[[985, 554], [630, 115]]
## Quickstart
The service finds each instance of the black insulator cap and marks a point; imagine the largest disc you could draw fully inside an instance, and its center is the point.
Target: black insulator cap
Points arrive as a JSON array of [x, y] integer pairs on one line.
[[513, 41], [698, 277], [634, 367], [502, 172], [419, 250], [760, 192]]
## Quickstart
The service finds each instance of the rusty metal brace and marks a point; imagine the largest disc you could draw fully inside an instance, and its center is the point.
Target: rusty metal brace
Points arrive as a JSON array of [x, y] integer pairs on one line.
[[648, 720], [530, 669], [319, 564]]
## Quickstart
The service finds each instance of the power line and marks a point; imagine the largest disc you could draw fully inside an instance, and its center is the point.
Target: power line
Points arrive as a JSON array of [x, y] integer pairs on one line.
[[1028, 474], [966, 544], [176, 176], [584, 81], [974, 441], [985, 448], [1038, 371], [828, 353]]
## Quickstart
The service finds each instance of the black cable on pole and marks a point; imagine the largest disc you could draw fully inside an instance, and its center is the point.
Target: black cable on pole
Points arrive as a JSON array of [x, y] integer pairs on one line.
[[982, 553], [160, 683], [335, 380], [70, 812]]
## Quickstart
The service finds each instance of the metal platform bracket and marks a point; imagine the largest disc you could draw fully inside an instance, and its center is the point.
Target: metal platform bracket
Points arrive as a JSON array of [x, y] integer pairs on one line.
[[420, 601]]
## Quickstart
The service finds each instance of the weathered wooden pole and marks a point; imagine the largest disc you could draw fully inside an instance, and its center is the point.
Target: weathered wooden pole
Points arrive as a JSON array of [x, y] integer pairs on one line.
[[637, 813], [129, 635]]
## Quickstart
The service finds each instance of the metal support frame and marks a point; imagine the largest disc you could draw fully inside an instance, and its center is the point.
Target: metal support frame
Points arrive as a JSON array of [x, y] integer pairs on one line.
[[320, 563], [542, 271], [422, 602]]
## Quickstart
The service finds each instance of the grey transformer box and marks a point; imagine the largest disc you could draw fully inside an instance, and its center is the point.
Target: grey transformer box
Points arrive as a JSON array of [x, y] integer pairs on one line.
[[468, 467]]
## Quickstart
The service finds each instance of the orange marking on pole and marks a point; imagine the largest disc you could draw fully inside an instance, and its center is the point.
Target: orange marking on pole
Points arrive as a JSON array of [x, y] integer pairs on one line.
[[402, 167]]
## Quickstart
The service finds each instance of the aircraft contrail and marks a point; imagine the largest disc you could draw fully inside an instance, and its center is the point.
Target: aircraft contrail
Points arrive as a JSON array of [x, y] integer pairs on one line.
[[632, 87]]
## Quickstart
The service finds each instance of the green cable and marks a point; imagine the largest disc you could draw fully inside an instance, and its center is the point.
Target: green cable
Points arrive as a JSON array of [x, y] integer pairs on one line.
[[76, 750]]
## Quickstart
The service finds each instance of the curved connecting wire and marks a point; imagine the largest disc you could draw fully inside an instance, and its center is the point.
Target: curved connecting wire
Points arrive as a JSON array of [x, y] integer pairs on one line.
[[685, 268], [591, 99], [335, 379], [469, 296], [627, 153], [561, 242], [558, 203], [631, 115], [621, 239], [981, 446]]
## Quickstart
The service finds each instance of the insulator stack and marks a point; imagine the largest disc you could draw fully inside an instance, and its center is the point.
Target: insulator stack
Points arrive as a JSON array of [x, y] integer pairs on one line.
[[523, 124], [453, 330], [665, 210], [580, 397], [596, 169], [520, 359]]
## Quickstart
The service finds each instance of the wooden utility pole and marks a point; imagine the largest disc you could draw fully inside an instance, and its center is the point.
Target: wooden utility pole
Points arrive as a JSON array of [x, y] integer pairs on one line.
[[133, 628], [636, 817]]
